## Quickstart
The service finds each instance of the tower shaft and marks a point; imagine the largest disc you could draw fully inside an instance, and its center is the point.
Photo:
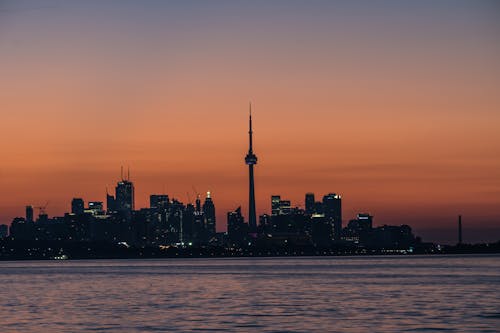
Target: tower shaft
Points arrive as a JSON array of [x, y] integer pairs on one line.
[[252, 219], [251, 160]]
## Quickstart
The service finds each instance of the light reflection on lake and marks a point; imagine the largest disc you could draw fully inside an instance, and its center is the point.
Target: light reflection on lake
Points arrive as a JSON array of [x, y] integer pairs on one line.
[[342, 294]]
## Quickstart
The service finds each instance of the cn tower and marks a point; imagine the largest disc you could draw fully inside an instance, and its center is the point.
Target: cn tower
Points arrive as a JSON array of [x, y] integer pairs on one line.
[[251, 160]]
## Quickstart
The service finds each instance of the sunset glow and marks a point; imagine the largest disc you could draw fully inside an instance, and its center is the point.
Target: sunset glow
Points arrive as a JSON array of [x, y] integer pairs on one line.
[[394, 105]]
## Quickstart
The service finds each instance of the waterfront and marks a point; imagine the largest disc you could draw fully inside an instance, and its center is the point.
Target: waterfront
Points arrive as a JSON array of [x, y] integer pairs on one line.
[[318, 294]]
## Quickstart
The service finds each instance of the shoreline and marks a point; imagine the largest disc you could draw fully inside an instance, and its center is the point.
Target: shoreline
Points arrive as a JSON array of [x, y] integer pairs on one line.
[[59, 250]]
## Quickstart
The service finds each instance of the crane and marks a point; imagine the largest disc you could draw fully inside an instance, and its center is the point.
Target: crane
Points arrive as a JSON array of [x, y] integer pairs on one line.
[[41, 209]]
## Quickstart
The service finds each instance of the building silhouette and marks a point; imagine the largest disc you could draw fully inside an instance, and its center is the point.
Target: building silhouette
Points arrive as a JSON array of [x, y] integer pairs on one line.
[[209, 212], [251, 160], [4, 229], [124, 199], [110, 203], [309, 203], [280, 207], [170, 224], [158, 201], [332, 209], [29, 213], [77, 206], [95, 208], [237, 229], [275, 205]]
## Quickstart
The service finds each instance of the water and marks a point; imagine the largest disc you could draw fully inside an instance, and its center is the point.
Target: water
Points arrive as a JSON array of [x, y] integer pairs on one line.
[[337, 294]]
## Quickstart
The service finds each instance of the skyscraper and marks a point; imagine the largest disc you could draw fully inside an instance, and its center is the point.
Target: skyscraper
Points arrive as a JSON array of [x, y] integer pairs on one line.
[[158, 201], [29, 213], [251, 160], [309, 203], [280, 207], [110, 203], [237, 229], [96, 208], [77, 206], [275, 205], [209, 212], [332, 208], [124, 199]]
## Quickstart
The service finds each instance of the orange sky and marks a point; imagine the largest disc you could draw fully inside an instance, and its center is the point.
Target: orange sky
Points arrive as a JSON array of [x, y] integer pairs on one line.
[[396, 108]]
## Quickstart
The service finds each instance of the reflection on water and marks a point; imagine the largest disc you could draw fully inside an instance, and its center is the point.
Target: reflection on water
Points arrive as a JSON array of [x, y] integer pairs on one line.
[[344, 294]]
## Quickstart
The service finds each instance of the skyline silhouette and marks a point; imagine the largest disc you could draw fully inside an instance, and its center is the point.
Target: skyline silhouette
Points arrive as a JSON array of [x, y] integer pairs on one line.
[[394, 105], [176, 223]]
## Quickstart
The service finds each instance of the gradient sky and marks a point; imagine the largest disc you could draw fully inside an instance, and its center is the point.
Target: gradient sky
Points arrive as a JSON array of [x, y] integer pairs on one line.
[[393, 104]]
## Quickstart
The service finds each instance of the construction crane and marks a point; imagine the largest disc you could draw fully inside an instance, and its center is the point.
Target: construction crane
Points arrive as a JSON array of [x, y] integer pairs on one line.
[[41, 209]]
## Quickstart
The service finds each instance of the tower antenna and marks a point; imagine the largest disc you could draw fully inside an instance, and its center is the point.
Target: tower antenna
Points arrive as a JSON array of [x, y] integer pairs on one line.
[[251, 160]]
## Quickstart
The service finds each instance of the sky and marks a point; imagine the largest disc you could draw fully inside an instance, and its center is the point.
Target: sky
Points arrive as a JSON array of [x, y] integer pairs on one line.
[[395, 105]]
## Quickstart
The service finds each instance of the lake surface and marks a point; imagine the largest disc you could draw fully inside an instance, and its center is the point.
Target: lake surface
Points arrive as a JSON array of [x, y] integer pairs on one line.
[[319, 294]]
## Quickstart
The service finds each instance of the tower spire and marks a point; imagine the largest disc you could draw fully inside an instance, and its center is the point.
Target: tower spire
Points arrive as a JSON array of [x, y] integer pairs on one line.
[[250, 133], [251, 160]]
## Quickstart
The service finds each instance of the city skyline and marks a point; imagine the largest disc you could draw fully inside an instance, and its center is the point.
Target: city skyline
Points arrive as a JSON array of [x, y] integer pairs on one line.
[[395, 106], [201, 226]]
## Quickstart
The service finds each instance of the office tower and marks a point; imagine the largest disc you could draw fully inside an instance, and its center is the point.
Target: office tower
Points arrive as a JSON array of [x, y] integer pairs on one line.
[[318, 207], [110, 203], [77, 206], [321, 230], [264, 220], [124, 199], [198, 222], [175, 222], [96, 208], [280, 207], [365, 221], [275, 205], [251, 160], [158, 201], [29, 213], [236, 227], [209, 212], [4, 230], [309, 203], [198, 204], [285, 207], [188, 224], [332, 208]]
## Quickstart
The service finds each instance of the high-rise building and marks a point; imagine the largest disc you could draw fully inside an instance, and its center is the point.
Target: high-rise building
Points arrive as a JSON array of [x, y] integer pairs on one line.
[[285, 207], [209, 212], [198, 204], [236, 227], [77, 206], [4, 229], [280, 207], [158, 201], [29, 213], [366, 220], [275, 205], [124, 196], [110, 203], [332, 208], [309, 203], [188, 224], [96, 208], [251, 160]]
